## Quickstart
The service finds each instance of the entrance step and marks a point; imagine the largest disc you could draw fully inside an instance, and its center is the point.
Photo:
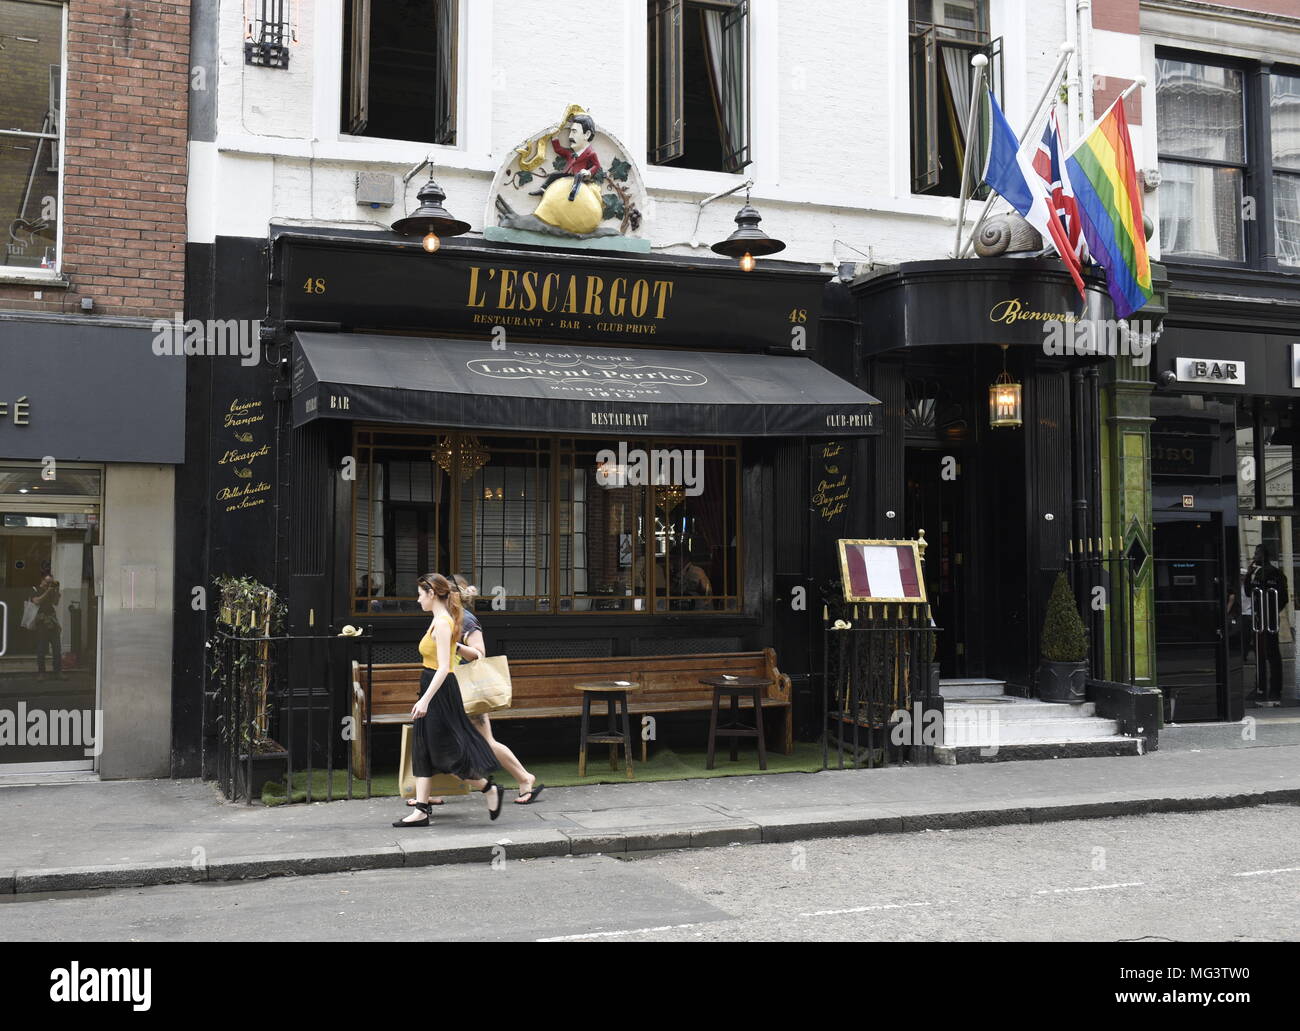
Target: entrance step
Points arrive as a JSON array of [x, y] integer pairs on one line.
[[1012, 708], [998, 728], [979, 729], [971, 687], [955, 755]]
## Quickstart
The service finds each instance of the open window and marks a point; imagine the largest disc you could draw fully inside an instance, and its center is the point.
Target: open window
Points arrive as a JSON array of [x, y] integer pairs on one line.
[[399, 70], [943, 36], [698, 84], [31, 37]]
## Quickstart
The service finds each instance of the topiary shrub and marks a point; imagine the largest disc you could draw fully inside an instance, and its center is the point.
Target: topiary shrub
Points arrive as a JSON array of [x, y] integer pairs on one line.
[[1065, 638]]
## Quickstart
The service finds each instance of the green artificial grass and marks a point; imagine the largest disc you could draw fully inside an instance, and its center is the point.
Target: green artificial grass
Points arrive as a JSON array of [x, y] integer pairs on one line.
[[664, 764]]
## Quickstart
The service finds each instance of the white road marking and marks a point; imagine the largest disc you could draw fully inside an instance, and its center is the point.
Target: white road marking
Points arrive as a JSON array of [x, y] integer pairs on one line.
[[1090, 887], [867, 909], [1261, 873], [615, 934]]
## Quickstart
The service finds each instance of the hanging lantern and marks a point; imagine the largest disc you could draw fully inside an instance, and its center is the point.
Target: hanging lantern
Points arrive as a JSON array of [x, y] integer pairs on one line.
[[1006, 406]]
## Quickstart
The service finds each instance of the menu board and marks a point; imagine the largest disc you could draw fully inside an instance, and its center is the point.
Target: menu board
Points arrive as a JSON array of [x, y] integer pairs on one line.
[[881, 571]]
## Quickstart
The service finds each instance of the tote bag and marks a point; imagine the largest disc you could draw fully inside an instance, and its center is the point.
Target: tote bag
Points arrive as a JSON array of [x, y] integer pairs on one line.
[[484, 684], [29, 614]]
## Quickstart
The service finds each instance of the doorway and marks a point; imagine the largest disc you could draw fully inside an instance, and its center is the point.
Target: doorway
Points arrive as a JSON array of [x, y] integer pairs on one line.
[[933, 502], [49, 619]]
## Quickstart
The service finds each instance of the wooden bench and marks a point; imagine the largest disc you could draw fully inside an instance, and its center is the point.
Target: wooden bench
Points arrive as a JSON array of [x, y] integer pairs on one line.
[[543, 688]]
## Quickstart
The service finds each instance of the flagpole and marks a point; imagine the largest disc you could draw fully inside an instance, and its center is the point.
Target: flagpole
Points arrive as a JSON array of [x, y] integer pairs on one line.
[[1136, 84], [978, 62], [1053, 83]]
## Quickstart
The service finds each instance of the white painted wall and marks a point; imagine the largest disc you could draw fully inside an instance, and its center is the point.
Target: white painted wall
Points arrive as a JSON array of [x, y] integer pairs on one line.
[[830, 125]]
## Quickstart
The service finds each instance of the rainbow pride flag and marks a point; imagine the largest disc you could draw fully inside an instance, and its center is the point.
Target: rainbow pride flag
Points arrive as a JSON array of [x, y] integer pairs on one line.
[[1110, 209]]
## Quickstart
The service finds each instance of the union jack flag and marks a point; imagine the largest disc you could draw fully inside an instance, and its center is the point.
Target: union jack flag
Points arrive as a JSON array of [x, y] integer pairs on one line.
[[1051, 169]]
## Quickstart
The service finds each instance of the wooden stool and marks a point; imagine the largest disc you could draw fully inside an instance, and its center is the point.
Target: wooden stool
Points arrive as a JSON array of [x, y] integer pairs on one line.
[[755, 687], [613, 691]]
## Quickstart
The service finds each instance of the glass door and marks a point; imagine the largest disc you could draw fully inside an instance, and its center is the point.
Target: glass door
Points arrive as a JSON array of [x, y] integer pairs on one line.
[[49, 619], [1269, 551]]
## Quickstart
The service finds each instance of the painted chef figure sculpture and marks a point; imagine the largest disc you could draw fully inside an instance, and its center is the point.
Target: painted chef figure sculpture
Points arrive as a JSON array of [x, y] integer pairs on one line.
[[569, 200], [571, 203]]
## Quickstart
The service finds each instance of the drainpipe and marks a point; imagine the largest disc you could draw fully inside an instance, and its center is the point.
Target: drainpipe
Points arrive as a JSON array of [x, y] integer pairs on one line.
[[1071, 127], [1083, 12]]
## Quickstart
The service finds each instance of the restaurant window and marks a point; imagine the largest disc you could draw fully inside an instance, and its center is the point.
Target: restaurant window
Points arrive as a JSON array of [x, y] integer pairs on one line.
[[505, 519], [943, 35], [1201, 139], [31, 129], [648, 526], [698, 84], [399, 70], [1284, 128], [400, 519]]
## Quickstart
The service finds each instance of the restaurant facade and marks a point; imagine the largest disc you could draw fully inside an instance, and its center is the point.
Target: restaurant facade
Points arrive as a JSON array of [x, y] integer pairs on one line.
[[628, 456]]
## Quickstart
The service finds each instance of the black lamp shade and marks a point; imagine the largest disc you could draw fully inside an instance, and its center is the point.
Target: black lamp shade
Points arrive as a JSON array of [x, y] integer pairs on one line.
[[748, 238], [430, 216]]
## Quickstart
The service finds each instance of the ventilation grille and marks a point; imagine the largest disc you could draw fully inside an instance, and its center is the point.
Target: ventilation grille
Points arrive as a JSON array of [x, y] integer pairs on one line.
[[396, 653], [585, 649], [689, 646]]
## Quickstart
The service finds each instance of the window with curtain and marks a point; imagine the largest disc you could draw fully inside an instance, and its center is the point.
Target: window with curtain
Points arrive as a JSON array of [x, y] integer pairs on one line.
[[399, 69], [1284, 131], [697, 94], [31, 36], [1201, 139], [665, 538], [943, 36]]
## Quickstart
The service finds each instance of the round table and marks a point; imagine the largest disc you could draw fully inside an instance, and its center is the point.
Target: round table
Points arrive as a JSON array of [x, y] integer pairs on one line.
[[613, 691], [734, 687]]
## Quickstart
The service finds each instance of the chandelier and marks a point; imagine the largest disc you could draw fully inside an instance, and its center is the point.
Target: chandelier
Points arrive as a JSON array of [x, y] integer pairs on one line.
[[670, 496], [460, 450]]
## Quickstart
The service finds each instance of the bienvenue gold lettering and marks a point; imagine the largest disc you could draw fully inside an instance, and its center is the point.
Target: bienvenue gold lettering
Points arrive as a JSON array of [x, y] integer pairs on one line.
[[1014, 310]]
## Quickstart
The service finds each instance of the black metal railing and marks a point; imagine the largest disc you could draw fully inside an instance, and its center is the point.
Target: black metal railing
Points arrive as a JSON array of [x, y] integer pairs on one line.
[[1102, 562], [880, 686], [283, 709]]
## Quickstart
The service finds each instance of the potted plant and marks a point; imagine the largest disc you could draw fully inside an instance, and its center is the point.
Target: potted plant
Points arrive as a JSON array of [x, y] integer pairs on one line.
[[252, 613], [1064, 667]]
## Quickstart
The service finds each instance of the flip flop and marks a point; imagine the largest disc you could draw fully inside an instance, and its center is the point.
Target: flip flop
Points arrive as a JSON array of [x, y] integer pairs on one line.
[[532, 795], [435, 801]]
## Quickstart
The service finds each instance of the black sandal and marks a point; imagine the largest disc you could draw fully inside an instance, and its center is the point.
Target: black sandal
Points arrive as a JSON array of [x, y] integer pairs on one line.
[[440, 801], [425, 808], [532, 794], [501, 797]]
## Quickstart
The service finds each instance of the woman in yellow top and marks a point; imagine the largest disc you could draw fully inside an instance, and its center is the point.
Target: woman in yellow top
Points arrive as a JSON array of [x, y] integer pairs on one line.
[[444, 740]]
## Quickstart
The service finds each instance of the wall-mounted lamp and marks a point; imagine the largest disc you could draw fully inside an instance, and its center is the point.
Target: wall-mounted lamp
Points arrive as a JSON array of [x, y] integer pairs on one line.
[[430, 220], [748, 241], [1005, 400]]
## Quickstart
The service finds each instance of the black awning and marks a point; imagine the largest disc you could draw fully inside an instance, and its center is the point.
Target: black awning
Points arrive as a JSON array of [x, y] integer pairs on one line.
[[581, 389]]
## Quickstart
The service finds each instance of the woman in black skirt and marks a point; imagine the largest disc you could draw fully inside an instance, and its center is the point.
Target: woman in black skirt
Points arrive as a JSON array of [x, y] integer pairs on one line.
[[444, 740]]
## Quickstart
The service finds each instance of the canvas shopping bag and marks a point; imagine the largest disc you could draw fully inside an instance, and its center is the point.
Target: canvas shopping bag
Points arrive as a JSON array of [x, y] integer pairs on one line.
[[484, 684], [443, 783]]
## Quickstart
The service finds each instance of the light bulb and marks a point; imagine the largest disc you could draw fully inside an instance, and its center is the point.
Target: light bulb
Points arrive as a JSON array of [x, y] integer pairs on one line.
[[747, 262], [431, 242]]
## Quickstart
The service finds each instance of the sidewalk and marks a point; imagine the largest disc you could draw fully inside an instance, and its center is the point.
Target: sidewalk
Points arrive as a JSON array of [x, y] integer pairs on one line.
[[126, 833]]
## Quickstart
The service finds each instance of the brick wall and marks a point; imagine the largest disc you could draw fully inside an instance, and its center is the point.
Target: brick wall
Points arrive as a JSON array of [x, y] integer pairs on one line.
[[125, 159]]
